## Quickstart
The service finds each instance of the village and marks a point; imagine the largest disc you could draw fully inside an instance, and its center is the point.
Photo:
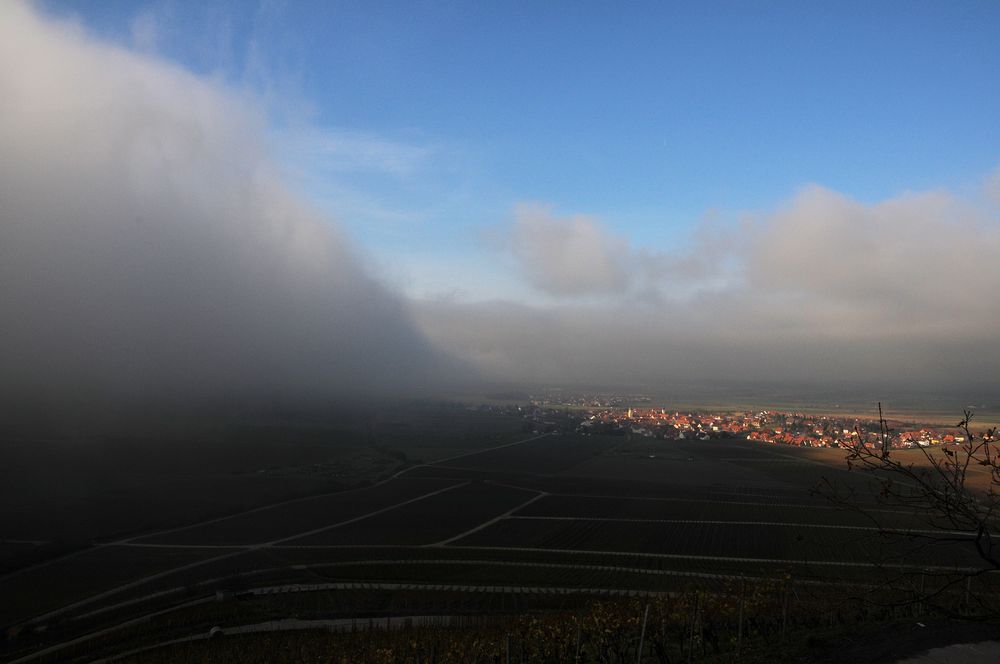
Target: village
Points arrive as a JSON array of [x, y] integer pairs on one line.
[[796, 429], [766, 426]]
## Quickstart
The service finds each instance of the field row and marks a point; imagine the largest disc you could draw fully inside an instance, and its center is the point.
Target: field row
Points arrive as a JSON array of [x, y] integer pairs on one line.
[[85, 574], [452, 509], [429, 520], [547, 455], [748, 509], [515, 573], [740, 541], [698, 486], [289, 519]]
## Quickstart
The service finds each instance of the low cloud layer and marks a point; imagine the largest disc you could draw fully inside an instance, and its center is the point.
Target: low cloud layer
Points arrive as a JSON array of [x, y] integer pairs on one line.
[[919, 265], [824, 290], [148, 249], [577, 257], [568, 255]]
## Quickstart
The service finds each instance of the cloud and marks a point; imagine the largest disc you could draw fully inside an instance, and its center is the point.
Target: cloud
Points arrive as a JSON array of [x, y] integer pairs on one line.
[[568, 255], [918, 262], [148, 249], [145, 31], [577, 257], [822, 290], [342, 151], [992, 187]]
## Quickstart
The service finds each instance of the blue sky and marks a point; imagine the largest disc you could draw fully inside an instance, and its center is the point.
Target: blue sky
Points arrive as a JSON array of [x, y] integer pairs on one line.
[[420, 126]]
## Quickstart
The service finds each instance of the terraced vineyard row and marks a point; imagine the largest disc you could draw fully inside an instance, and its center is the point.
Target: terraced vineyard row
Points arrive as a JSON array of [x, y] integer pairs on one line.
[[300, 516], [685, 508], [429, 520], [737, 541]]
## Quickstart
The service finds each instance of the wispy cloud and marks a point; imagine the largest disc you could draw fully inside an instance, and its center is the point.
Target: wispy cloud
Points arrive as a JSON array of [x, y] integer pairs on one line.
[[345, 151], [362, 177], [145, 31]]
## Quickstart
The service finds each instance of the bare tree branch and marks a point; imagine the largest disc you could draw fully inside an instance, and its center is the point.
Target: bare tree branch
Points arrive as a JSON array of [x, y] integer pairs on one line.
[[957, 517]]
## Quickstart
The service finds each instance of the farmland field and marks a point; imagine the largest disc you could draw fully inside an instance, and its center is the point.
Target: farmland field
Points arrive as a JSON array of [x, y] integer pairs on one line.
[[299, 516], [80, 576], [173, 474], [744, 508], [546, 455], [429, 520], [500, 510], [763, 541]]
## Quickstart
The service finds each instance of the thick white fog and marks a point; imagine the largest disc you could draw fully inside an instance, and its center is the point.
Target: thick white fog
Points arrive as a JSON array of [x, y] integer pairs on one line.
[[148, 248]]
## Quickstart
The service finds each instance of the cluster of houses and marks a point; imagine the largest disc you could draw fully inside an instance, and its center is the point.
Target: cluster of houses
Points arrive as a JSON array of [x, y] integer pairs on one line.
[[612, 415], [797, 429]]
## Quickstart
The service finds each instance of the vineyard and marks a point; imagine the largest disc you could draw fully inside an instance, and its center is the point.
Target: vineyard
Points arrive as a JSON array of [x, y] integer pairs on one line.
[[301, 515], [427, 521], [540, 549], [748, 622]]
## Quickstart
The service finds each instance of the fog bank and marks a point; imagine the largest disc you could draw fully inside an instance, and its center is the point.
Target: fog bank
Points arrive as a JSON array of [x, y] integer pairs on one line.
[[148, 249]]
